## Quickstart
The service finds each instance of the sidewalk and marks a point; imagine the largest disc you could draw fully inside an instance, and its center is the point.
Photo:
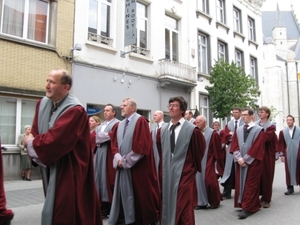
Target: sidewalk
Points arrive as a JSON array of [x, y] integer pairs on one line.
[[26, 199]]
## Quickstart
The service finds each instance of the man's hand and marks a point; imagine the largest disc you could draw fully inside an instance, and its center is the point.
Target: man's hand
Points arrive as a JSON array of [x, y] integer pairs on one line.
[[27, 138], [282, 158], [241, 162], [120, 163]]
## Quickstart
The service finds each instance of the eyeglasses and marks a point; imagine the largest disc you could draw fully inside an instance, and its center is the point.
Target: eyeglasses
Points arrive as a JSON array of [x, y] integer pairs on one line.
[[173, 106]]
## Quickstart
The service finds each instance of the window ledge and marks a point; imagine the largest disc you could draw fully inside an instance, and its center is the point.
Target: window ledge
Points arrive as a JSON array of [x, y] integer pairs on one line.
[[136, 56], [253, 43], [235, 33], [27, 42], [102, 46], [208, 17], [218, 23], [200, 74]]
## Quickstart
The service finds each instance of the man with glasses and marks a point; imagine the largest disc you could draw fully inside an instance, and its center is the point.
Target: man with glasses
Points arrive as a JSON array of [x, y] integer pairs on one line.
[[182, 147], [136, 193], [228, 178], [247, 148]]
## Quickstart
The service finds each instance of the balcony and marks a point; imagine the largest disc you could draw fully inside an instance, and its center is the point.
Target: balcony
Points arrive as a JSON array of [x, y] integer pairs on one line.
[[100, 39], [177, 74]]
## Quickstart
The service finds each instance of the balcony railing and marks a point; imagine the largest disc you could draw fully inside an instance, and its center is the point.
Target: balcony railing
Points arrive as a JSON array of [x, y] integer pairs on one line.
[[99, 39], [177, 70], [140, 51]]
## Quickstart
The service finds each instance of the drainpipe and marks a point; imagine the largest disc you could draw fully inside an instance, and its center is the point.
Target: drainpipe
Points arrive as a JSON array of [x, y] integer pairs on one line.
[[297, 93], [287, 86]]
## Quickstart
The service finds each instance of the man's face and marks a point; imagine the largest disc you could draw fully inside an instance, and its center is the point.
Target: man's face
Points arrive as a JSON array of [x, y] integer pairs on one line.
[[236, 114], [108, 113], [290, 121], [187, 115], [262, 114], [200, 123], [216, 126], [54, 89], [246, 117], [126, 109], [157, 117], [174, 110]]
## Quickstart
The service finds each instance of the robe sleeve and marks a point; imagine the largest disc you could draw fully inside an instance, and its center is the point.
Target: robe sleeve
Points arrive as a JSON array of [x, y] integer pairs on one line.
[[198, 145], [62, 137], [281, 144], [142, 141]]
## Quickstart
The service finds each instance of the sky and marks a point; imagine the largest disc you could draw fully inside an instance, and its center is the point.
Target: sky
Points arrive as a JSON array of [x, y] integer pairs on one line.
[[284, 5]]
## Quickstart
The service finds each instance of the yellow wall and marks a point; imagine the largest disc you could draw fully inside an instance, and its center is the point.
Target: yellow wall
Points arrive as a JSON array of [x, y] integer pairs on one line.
[[25, 67]]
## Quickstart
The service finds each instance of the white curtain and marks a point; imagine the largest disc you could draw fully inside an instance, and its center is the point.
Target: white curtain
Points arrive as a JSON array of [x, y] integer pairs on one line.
[[13, 17]]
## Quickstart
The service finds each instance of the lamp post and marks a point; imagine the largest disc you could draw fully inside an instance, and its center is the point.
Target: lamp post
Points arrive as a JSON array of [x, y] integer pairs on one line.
[[297, 83]]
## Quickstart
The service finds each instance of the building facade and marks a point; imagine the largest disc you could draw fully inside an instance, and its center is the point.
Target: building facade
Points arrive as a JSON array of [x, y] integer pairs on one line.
[[175, 47], [280, 80], [35, 37]]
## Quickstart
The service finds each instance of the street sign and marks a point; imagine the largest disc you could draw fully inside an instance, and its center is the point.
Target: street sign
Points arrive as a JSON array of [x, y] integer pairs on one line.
[[130, 22]]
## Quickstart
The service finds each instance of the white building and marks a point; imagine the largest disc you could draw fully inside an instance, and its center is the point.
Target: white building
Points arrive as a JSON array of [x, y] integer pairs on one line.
[[280, 83], [176, 45]]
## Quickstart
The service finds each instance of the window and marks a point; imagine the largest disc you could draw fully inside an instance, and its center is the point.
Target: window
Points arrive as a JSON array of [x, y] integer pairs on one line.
[[171, 38], [237, 20], [221, 11], [251, 29], [222, 50], [204, 106], [26, 19], [202, 5], [253, 68], [141, 26], [99, 20], [239, 58], [15, 113], [203, 48]]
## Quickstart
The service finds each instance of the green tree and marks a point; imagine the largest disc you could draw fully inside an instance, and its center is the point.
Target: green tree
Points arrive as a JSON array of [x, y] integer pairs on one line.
[[230, 86]]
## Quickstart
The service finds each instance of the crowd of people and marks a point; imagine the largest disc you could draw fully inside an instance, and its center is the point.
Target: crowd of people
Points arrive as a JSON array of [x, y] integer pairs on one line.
[[123, 171]]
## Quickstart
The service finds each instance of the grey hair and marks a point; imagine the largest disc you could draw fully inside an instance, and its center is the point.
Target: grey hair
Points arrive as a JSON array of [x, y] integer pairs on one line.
[[26, 127]]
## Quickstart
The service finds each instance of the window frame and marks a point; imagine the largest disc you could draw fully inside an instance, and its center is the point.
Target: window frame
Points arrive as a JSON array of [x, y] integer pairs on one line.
[[224, 53], [51, 27], [171, 31], [253, 68], [239, 61], [221, 11], [206, 46], [203, 6], [203, 108], [251, 29], [237, 20]]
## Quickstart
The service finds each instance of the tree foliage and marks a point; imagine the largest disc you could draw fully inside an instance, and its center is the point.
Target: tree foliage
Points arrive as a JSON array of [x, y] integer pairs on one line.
[[230, 86]]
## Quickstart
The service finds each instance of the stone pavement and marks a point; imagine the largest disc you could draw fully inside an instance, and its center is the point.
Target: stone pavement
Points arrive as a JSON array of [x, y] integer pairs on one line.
[[26, 199]]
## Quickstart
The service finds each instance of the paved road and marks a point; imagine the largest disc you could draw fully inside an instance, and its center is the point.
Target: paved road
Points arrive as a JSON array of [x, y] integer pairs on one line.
[[26, 199]]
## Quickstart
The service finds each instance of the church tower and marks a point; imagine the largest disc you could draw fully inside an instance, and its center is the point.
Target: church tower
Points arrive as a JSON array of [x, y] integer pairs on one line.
[[279, 31]]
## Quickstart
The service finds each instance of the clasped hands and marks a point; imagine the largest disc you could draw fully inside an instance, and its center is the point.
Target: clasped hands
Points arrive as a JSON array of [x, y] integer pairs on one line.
[[27, 138], [241, 162]]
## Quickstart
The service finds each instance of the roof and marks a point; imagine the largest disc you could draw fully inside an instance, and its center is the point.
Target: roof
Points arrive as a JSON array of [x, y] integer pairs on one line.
[[281, 19]]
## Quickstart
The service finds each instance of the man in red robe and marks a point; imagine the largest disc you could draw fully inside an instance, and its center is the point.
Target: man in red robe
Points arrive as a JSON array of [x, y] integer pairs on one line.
[[6, 215], [136, 194], [60, 144], [181, 146], [209, 195], [289, 146], [248, 148], [271, 142]]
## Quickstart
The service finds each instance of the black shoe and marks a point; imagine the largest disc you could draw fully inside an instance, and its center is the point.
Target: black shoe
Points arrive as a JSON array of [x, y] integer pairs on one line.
[[244, 214], [227, 196], [289, 192], [201, 207], [28, 179]]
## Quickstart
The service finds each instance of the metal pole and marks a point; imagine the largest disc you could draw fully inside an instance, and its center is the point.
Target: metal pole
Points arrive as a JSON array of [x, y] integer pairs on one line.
[[287, 86], [297, 93]]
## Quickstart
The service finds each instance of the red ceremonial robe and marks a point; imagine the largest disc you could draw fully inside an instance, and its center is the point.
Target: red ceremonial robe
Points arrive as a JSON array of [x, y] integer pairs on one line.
[[93, 141], [187, 190], [143, 173], [5, 214], [282, 147], [222, 154], [271, 142], [250, 200], [68, 142], [211, 181]]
